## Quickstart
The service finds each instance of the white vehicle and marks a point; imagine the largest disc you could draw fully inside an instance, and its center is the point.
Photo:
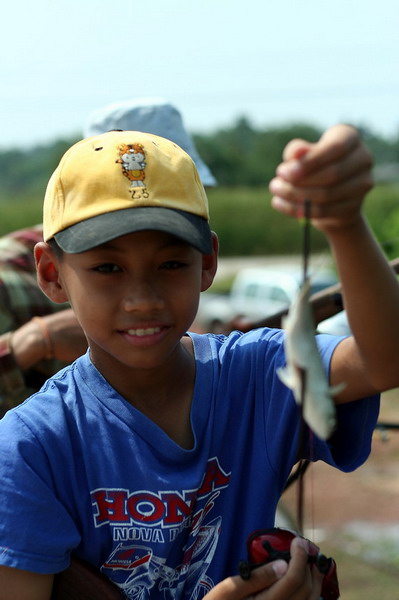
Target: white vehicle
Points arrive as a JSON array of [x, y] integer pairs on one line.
[[257, 293]]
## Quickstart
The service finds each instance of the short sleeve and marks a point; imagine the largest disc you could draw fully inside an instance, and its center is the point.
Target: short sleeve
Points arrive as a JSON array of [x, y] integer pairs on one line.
[[34, 519]]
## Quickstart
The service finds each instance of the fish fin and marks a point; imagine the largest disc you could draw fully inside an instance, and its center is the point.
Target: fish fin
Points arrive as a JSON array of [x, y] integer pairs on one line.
[[336, 389], [286, 377]]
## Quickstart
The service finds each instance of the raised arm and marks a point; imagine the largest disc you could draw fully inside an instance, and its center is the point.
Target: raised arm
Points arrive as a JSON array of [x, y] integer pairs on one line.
[[335, 174], [57, 335]]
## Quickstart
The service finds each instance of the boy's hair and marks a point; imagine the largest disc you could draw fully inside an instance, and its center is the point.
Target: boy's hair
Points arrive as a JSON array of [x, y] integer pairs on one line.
[[55, 248], [122, 182]]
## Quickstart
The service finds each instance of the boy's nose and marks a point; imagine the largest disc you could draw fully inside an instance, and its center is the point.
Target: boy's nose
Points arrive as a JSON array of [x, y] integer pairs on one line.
[[142, 296]]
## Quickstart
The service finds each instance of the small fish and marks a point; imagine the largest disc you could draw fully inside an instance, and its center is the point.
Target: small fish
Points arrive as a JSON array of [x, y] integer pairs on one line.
[[302, 354]]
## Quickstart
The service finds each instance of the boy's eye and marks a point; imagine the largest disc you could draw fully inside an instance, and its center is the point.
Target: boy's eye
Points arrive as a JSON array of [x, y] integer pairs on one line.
[[173, 264], [107, 268]]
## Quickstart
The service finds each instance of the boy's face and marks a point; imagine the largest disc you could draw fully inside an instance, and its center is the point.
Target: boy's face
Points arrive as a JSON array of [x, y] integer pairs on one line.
[[134, 296]]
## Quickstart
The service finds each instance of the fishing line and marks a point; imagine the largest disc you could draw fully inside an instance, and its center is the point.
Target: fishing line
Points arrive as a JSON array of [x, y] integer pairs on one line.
[[306, 239], [304, 429]]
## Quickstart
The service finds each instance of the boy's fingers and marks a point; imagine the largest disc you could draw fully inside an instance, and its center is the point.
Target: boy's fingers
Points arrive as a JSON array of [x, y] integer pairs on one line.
[[296, 149], [335, 143], [274, 581], [317, 580], [303, 158], [322, 198], [334, 172], [298, 578], [325, 219], [297, 584], [236, 588]]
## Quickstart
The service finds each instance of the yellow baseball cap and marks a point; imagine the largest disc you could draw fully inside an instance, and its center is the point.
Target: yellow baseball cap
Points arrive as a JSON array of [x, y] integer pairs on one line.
[[122, 182]]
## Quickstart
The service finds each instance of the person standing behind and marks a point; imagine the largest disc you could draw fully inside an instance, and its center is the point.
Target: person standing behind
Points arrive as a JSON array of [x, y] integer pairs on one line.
[[37, 336], [148, 115]]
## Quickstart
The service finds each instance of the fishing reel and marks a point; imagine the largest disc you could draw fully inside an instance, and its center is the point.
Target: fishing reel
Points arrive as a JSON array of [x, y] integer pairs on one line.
[[266, 545]]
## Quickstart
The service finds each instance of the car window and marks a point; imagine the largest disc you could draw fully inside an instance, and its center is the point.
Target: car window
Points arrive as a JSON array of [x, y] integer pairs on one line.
[[251, 290], [318, 286], [279, 295]]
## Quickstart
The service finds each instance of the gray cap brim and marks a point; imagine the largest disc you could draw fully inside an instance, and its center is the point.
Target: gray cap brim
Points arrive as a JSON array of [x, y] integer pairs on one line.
[[101, 229]]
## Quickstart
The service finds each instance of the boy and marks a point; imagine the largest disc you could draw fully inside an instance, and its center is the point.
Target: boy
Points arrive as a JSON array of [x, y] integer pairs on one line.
[[157, 453], [38, 337]]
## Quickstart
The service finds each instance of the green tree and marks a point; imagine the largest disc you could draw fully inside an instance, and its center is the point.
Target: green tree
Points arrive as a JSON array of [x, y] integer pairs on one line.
[[26, 172], [242, 155]]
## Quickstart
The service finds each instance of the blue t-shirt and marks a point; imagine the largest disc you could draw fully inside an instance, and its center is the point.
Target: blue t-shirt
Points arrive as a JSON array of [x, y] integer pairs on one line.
[[83, 471]]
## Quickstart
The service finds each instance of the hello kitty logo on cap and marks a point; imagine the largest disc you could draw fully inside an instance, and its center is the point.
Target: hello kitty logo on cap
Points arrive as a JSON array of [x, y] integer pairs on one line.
[[132, 158]]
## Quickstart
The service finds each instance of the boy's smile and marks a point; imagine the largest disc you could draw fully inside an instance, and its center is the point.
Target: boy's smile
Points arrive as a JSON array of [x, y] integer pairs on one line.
[[135, 297]]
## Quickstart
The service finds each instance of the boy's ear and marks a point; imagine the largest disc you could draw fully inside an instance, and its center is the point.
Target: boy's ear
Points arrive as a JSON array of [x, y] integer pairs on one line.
[[48, 273], [209, 264]]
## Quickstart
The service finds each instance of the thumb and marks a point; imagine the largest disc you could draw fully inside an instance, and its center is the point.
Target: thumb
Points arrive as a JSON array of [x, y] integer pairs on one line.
[[303, 157], [296, 149], [294, 154]]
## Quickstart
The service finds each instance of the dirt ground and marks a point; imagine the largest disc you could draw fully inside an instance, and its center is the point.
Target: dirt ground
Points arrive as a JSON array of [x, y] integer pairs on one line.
[[371, 493], [355, 517]]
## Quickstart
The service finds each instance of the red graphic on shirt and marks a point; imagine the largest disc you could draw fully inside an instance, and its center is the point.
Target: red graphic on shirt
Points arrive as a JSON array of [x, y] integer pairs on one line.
[[164, 509]]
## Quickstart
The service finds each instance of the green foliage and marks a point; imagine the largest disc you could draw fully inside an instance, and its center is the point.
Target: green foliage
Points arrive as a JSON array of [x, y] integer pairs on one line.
[[244, 156], [382, 211], [245, 222], [243, 159], [26, 172], [19, 212], [241, 155], [383, 150]]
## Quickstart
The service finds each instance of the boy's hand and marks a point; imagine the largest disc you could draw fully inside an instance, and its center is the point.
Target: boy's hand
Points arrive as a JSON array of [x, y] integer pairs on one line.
[[274, 581], [333, 173]]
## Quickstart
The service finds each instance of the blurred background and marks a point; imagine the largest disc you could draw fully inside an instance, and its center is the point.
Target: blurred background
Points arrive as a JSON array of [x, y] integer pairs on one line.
[[247, 77]]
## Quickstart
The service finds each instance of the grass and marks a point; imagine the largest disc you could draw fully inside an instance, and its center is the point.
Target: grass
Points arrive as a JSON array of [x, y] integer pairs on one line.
[[362, 579], [354, 517], [244, 220], [18, 213]]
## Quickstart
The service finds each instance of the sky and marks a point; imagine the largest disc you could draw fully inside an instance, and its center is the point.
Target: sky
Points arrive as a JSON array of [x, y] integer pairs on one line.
[[275, 62]]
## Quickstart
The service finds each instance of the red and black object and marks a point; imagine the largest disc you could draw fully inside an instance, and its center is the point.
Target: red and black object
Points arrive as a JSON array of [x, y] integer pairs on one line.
[[266, 545]]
